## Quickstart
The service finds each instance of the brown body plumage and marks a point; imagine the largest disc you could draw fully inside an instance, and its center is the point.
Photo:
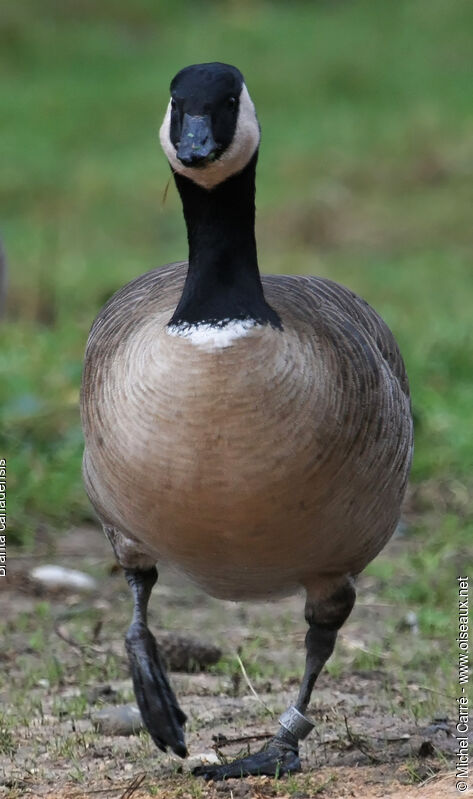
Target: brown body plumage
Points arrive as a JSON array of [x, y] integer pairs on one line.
[[255, 467]]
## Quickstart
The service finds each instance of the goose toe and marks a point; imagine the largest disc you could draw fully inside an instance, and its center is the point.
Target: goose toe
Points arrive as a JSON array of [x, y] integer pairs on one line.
[[274, 760], [158, 705]]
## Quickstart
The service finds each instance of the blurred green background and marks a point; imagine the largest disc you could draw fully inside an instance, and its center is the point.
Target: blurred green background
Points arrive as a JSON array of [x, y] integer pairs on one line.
[[365, 175]]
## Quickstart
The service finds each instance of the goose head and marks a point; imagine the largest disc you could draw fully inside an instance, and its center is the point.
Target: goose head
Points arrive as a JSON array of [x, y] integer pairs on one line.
[[210, 130]]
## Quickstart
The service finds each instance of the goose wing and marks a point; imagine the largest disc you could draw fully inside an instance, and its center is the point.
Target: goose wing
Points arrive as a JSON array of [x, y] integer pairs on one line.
[[308, 300]]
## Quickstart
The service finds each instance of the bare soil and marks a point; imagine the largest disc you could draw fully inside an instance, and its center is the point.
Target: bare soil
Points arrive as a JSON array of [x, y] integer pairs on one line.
[[64, 659]]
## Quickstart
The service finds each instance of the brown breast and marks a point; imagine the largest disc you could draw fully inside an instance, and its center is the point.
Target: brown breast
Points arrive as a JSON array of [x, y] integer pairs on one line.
[[252, 467]]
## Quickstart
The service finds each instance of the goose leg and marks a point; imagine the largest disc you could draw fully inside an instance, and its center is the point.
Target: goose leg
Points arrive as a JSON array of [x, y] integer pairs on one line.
[[281, 754], [158, 705]]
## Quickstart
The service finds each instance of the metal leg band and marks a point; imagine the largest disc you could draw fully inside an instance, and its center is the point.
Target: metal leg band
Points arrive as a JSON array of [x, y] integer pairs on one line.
[[297, 724]]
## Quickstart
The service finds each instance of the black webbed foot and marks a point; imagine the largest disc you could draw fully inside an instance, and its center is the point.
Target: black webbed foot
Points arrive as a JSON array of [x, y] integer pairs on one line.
[[274, 760], [158, 705]]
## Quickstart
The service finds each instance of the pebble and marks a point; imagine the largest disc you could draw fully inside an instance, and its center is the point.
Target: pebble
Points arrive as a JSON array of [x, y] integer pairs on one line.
[[119, 720], [239, 789], [409, 622], [53, 576], [99, 692], [187, 653], [204, 759]]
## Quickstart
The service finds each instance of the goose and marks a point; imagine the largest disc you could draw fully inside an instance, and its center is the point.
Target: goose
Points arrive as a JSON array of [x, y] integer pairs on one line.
[[253, 431]]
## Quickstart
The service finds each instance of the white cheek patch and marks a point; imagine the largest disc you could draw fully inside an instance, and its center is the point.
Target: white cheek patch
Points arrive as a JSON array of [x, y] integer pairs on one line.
[[211, 337], [242, 147]]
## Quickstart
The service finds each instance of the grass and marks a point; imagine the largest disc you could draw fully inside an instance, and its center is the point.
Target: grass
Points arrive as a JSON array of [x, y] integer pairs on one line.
[[365, 176], [50, 686]]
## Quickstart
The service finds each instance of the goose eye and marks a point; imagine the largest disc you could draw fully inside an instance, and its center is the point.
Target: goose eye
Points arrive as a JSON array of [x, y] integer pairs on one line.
[[173, 103], [231, 102]]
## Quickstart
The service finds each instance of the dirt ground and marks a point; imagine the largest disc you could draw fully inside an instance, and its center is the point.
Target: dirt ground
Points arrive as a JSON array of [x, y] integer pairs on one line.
[[64, 660]]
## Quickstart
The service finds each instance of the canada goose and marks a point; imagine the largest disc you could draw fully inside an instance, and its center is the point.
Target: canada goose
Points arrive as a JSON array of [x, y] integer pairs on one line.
[[255, 432]]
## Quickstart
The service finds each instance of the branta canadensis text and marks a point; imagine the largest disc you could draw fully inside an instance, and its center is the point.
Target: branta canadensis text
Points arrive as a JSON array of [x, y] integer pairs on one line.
[[254, 431], [3, 279]]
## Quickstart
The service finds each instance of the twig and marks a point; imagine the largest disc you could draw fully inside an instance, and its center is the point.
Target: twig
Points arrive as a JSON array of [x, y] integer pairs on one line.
[[358, 743], [133, 786], [433, 691], [380, 655], [222, 740], [75, 644], [250, 686], [165, 193], [437, 777]]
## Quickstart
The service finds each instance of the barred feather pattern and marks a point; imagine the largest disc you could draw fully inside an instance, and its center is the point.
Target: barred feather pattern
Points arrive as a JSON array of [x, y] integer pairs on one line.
[[280, 461]]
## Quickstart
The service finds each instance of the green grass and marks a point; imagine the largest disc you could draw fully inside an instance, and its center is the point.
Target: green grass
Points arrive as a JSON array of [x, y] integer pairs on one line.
[[365, 176]]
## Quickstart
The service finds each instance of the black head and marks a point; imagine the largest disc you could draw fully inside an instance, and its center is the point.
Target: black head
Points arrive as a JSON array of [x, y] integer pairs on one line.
[[210, 130]]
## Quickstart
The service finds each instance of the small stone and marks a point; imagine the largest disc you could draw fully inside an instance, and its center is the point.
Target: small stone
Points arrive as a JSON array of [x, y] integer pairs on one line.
[[55, 577], [204, 759], [120, 720], [101, 691], [409, 622], [411, 618], [239, 789], [187, 653]]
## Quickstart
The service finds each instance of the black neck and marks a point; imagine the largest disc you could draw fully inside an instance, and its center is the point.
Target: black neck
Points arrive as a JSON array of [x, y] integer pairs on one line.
[[223, 281]]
